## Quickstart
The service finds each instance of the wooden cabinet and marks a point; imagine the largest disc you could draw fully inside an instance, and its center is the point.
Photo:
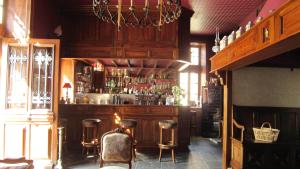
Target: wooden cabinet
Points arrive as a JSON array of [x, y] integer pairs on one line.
[[288, 21], [85, 36], [276, 34], [29, 81]]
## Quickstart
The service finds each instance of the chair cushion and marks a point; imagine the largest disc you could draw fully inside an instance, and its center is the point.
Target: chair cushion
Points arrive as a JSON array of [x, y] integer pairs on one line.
[[116, 147], [14, 166], [167, 124]]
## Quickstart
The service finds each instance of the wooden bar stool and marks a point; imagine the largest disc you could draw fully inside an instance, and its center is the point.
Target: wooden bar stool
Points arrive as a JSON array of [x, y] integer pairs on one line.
[[90, 136], [167, 125], [130, 124]]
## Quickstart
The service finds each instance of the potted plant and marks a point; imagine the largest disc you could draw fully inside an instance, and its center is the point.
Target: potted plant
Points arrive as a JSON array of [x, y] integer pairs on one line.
[[176, 91]]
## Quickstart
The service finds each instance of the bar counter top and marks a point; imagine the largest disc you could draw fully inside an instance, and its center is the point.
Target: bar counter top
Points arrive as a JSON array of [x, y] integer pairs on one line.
[[129, 105], [147, 117]]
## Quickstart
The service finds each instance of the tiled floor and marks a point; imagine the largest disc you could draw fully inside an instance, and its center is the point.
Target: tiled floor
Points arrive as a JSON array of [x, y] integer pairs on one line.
[[203, 154]]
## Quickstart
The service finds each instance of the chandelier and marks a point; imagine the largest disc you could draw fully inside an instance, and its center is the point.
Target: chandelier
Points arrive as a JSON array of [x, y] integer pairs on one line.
[[137, 15]]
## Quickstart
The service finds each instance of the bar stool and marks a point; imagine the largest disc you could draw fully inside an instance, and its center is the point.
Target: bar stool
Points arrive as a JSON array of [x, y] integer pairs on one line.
[[130, 124], [167, 125], [90, 136]]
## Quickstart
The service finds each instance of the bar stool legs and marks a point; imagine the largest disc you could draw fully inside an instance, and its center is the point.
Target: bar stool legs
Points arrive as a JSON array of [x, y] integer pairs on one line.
[[173, 143], [167, 124], [90, 137], [130, 124]]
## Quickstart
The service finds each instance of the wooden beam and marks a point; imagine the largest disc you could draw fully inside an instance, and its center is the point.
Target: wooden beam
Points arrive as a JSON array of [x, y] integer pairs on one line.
[[155, 65], [146, 68], [128, 63], [139, 71], [114, 63], [98, 60], [169, 65], [84, 61], [227, 120]]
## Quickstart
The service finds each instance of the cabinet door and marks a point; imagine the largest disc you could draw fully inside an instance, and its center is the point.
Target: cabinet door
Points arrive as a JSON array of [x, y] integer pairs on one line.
[[29, 97], [14, 82], [14, 139], [289, 20]]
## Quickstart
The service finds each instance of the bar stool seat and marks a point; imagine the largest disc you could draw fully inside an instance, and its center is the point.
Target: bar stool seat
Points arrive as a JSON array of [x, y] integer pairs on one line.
[[167, 125], [90, 136], [131, 125], [128, 123]]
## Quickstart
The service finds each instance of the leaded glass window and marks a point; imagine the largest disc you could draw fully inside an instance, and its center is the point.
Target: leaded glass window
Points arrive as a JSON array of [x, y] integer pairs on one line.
[[42, 77], [17, 83]]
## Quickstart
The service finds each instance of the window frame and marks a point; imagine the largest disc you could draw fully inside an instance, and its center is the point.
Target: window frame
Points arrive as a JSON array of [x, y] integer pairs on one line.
[[199, 69]]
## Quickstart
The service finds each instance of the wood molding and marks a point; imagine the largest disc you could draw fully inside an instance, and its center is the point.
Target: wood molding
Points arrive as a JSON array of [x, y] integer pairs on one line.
[[276, 34]]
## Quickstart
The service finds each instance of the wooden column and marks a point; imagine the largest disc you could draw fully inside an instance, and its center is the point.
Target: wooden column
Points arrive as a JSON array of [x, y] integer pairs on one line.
[[227, 116]]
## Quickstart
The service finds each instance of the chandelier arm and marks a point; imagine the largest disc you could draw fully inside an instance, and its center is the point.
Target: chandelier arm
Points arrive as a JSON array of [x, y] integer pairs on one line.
[[111, 17], [131, 18], [119, 14], [145, 20], [166, 11]]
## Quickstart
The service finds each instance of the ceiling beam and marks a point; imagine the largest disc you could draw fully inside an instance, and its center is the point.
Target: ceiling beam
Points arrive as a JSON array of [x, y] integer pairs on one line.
[[128, 63], [84, 61], [139, 71], [169, 64], [146, 68], [155, 64], [114, 63]]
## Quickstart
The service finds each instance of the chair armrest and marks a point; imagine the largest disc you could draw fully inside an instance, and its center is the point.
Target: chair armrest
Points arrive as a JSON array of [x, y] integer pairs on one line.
[[241, 127]]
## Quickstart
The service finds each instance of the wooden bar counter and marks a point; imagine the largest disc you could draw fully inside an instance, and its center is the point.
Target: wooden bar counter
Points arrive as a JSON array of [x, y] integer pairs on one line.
[[147, 116]]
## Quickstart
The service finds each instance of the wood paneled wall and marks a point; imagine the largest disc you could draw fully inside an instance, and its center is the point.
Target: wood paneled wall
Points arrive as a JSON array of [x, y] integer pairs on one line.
[[84, 35]]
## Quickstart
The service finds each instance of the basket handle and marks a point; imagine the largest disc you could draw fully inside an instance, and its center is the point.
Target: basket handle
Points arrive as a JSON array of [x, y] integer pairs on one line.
[[266, 123]]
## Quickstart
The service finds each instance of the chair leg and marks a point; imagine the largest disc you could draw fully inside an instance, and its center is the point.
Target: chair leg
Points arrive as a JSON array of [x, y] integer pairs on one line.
[[160, 152], [133, 153], [129, 165], [83, 150], [173, 143], [95, 154], [173, 155], [101, 163]]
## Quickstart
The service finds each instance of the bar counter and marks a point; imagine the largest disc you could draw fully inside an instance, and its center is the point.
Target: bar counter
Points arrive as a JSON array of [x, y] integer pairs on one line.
[[147, 116]]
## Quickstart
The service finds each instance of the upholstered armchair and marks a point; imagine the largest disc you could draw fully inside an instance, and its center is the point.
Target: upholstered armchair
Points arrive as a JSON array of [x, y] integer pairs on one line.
[[16, 163], [116, 147]]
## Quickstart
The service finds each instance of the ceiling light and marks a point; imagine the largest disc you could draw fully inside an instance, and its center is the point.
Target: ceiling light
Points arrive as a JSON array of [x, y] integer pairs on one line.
[[158, 14]]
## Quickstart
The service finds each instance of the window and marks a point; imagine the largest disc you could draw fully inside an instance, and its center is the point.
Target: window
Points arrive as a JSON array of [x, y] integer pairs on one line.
[[17, 77], [191, 80], [184, 85], [29, 77], [195, 55]]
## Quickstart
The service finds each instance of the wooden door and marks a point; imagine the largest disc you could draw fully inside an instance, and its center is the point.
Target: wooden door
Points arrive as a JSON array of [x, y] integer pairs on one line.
[[29, 99]]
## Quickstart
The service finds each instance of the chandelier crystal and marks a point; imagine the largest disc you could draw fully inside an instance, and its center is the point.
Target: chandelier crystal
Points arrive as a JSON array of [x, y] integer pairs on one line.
[[163, 12]]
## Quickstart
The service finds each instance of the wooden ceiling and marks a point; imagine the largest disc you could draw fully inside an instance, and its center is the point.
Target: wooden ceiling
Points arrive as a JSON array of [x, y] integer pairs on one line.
[[138, 67], [209, 14]]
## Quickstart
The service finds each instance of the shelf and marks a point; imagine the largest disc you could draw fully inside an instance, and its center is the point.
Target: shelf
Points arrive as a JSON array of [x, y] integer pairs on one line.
[[283, 26]]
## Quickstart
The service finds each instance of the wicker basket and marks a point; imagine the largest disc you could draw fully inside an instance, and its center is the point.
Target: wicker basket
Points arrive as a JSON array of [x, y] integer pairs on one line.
[[266, 134]]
